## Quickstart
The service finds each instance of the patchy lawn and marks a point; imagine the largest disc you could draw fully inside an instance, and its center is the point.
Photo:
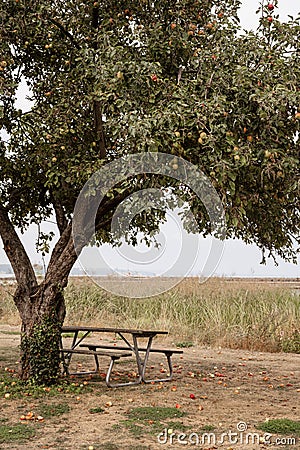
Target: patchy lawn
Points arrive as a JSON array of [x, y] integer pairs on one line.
[[214, 394]]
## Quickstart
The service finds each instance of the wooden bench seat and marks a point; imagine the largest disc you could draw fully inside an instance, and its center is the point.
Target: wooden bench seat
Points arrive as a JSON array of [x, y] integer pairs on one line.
[[100, 353], [167, 352], [113, 355]]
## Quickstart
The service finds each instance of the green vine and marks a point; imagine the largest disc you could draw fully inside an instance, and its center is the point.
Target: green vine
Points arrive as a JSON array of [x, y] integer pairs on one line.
[[40, 351]]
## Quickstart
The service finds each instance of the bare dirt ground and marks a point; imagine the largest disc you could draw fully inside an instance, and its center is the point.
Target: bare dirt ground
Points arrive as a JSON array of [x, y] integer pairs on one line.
[[233, 392]]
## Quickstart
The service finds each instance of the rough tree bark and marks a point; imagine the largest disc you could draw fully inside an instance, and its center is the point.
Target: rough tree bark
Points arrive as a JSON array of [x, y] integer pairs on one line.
[[41, 306], [42, 315]]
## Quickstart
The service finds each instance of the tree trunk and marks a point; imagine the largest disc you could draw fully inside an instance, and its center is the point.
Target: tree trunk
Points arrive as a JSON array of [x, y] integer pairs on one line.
[[42, 312], [41, 307]]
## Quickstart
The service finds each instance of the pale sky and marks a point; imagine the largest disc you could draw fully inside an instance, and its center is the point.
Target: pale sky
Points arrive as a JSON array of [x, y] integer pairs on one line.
[[285, 8], [236, 258]]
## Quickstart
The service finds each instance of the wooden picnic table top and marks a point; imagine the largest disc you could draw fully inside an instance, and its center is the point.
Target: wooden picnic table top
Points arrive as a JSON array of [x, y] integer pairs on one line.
[[136, 332]]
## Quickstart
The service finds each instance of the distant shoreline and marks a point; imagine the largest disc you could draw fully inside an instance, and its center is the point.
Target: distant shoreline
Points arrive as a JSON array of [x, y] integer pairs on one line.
[[237, 278]]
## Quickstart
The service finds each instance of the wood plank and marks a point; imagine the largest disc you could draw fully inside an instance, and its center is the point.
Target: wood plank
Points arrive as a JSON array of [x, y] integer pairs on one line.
[[143, 333], [155, 350], [98, 353]]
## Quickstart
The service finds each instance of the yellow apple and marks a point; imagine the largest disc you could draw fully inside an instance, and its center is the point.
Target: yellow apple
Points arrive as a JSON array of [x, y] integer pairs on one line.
[[267, 153]]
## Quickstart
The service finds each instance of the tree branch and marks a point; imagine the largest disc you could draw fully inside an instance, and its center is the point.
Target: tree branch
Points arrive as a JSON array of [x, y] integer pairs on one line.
[[95, 18], [60, 245], [16, 253], [61, 220], [100, 138], [65, 32], [62, 259], [208, 86], [98, 122]]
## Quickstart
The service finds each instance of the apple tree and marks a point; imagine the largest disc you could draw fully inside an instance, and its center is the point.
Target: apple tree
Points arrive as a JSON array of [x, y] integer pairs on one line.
[[109, 79]]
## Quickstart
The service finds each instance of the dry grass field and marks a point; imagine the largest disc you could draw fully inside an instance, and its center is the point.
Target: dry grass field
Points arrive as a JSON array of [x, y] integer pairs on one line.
[[249, 314]]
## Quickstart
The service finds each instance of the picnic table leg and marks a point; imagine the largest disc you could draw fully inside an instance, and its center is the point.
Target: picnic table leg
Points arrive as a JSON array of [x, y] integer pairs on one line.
[[168, 378], [66, 359], [65, 366], [109, 372], [74, 339], [142, 362], [96, 362]]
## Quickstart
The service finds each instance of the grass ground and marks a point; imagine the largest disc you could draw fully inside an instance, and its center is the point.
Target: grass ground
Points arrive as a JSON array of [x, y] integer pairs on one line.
[[214, 394]]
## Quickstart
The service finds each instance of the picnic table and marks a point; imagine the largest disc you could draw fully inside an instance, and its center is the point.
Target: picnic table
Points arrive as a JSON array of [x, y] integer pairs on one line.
[[131, 347]]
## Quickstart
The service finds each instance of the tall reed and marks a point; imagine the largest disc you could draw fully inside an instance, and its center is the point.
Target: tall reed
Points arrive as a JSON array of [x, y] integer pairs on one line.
[[235, 314]]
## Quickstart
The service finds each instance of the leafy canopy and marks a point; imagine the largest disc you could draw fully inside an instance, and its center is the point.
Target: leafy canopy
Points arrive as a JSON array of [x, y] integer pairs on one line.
[[112, 78]]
